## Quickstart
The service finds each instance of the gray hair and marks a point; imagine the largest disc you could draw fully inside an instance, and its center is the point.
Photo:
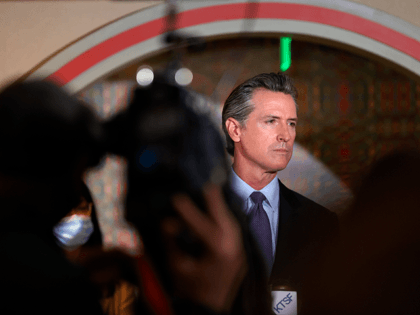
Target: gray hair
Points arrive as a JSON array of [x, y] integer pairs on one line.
[[239, 103]]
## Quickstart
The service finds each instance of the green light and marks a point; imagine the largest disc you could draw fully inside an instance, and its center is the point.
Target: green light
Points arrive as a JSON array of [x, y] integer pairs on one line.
[[285, 53]]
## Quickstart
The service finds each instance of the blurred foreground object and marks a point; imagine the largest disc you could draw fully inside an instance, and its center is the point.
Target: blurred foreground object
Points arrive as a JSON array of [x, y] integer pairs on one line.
[[375, 271], [171, 146], [48, 139]]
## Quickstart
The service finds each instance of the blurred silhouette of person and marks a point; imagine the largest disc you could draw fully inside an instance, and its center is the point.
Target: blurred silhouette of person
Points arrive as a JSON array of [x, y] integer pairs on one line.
[[79, 227], [376, 269], [48, 140]]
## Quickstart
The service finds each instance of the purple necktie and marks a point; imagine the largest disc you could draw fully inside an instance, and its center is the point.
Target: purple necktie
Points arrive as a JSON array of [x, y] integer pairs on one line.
[[260, 227]]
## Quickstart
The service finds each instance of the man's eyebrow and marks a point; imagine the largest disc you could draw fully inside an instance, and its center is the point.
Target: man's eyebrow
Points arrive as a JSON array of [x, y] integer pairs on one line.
[[271, 116], [277, 117]]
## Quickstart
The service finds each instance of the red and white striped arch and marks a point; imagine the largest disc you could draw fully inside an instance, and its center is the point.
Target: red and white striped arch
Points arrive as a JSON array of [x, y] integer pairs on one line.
[[140, 34]]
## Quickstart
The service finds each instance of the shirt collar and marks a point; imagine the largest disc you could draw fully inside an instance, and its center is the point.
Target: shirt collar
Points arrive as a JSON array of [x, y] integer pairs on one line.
[[243, 190]]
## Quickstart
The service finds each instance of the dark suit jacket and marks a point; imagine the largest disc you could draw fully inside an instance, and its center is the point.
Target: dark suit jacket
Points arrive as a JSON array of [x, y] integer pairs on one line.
[[306, 235]]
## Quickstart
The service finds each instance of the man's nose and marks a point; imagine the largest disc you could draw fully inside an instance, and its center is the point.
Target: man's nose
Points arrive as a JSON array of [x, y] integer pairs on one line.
[[283, 133]]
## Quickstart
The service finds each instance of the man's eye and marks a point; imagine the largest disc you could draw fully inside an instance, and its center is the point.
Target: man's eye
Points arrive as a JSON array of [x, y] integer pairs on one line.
[[270, 121], [293, 124]]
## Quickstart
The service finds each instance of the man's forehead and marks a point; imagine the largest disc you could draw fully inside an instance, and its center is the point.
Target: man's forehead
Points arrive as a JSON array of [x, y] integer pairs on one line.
[[266, 99]]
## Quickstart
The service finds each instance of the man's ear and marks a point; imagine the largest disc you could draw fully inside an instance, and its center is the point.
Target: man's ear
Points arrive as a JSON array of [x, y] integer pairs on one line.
[[233, 127]]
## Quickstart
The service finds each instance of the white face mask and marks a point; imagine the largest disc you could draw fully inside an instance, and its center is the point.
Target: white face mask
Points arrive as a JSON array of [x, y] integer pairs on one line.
[[73, 231]]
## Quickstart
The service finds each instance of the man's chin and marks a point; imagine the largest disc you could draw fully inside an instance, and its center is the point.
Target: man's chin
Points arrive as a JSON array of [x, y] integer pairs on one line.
[[276, 168], [280, 165]]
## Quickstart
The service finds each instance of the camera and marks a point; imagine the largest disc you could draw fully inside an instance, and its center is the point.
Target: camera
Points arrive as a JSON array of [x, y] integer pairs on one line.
[[172, 145]]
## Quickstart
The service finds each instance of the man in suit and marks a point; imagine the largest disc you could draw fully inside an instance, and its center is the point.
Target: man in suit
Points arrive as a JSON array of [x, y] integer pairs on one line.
[[293, 232]]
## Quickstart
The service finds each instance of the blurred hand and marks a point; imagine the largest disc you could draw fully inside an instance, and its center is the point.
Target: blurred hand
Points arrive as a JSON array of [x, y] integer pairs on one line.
[[212, 279]]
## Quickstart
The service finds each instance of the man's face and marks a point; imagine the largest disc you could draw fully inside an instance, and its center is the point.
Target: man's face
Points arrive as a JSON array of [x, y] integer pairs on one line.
[[266, 141]]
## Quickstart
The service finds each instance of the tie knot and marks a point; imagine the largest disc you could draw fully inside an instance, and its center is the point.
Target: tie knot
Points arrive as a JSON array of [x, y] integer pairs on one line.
[[257, 197]]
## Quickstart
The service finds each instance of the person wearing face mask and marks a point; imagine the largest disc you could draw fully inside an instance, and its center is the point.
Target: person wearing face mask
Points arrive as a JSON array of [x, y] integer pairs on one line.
[[75, 229], [47, 141], [79, 227], [78, 234], [50, 241]]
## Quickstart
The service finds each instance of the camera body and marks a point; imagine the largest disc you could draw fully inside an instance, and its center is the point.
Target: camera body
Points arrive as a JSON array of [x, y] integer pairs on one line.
[[172, 146]]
